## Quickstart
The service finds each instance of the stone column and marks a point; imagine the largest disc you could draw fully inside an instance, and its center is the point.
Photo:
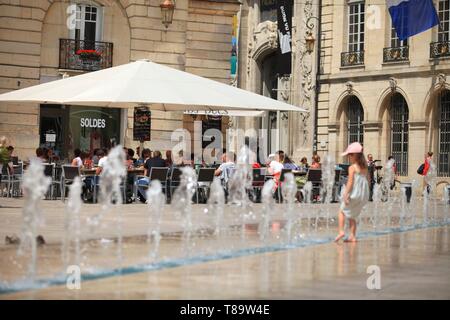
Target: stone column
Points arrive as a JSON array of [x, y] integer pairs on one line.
[[416, 146], [372, 141], [333, 133]]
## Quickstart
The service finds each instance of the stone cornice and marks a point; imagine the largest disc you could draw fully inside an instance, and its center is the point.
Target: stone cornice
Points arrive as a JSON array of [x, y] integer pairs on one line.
[[362, 75], [372, 125], [418, 125], [333, 127]]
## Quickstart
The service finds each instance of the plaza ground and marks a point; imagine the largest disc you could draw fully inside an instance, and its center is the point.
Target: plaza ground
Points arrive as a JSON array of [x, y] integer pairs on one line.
[[413, 264]]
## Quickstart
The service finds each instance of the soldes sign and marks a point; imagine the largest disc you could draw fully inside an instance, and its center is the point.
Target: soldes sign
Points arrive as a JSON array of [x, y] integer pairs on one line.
[[92, 123]]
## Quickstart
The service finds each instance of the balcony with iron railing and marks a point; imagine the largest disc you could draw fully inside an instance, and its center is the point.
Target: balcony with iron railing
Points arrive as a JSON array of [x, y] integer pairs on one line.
[[396, 54], [355, 58], [439, 49], [84, 55]]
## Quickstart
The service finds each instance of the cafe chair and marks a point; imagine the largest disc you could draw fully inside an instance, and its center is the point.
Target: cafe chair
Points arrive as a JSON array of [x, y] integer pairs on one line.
[[68, 175], [204, 181], [174, 181], [279, 195], [160, 173], [315, 177], [5, 181], [49, 171], [259, 177]]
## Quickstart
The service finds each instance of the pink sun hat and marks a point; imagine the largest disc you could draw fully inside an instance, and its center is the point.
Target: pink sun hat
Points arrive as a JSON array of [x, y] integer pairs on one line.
[[355, 147]]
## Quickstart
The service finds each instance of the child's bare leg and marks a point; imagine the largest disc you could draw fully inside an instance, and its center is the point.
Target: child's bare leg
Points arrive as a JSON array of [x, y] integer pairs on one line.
[[341, 221], [352, 237]]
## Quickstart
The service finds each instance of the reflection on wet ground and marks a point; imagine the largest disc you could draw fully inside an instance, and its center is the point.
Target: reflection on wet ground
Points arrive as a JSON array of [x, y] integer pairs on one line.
[[235, 264]]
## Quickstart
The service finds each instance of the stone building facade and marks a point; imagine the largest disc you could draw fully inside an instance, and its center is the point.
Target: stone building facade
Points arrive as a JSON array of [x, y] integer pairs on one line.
[[40, 41], [391, 95], [258, 46]]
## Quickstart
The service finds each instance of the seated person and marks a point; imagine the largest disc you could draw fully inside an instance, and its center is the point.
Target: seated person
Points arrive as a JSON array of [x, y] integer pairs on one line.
[[228, 159], [289, 164], [40, 154], [155, 162], [101, 161], [77, 160], [316, 162]]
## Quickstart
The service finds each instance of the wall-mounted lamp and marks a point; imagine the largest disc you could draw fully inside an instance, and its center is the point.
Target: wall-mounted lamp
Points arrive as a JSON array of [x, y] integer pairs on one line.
[[167, 9]]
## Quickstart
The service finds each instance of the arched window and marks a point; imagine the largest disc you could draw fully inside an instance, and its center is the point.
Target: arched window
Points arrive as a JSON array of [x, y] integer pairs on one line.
[[355, 118], [444, 134], [399, 115]]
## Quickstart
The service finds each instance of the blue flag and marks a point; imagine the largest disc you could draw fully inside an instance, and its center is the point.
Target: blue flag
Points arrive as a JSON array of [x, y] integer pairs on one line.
[[410, 17]]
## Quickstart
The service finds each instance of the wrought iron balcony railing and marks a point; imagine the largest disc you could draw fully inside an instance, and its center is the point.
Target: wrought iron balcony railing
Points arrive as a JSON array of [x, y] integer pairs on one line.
[[354, 58], [440, 49], [395, 54], [84, 55]]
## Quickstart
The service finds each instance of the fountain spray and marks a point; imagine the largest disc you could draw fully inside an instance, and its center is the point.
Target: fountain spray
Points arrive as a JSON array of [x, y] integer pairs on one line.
[[289, 191], [155, 205], [35, 185]]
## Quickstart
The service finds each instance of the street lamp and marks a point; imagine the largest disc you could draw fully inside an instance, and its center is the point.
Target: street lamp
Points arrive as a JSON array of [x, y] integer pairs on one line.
[[167, 9]]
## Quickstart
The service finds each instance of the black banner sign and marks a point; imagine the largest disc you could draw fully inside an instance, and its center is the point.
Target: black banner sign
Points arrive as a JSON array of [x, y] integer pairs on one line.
[[142, 124], [284, 13]]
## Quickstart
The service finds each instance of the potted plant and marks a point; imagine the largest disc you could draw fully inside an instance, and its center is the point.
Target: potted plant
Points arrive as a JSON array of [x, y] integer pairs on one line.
[[89, 54]]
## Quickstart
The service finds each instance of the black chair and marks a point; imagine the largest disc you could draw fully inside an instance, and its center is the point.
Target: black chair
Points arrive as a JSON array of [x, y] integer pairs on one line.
[[259, 177], [283, 172], [315, 177], [16, 179], [160, 173], [69, 173], [49, 171], [344, 172], [204, 180], [15, 160], [337, 185], [174, 180]]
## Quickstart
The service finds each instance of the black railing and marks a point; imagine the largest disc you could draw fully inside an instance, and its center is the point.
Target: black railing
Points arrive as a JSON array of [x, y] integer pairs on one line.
[[395, 54], [440, 49], [85, 55], [354, 58]]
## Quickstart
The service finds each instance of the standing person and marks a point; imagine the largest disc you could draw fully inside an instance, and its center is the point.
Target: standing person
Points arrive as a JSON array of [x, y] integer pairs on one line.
[[316, 162], [371, 170], [426, 169], [356, 192], [394, 169]]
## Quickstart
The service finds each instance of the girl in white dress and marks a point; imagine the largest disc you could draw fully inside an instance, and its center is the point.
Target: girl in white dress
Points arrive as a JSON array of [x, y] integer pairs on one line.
[[356, 192]]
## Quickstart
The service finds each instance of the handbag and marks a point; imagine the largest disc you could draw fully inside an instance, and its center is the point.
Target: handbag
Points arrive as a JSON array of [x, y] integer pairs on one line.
[[421, 168]]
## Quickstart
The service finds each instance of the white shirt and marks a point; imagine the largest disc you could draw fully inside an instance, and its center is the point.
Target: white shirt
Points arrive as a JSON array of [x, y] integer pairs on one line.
[[223, 167], [78, 161], [101, 162], [276, 167]]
